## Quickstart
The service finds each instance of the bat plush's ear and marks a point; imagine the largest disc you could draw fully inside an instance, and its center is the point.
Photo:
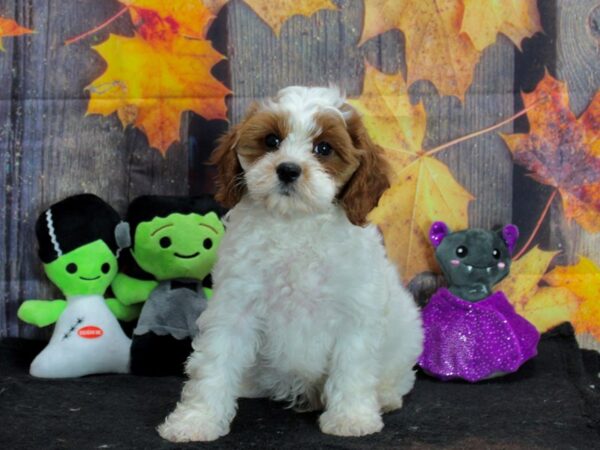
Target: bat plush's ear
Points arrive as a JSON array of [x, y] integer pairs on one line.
[[437, 233], [510, 234]]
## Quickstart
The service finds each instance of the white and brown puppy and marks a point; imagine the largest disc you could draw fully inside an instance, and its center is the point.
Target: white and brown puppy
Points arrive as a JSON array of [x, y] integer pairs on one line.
[[306, 306]]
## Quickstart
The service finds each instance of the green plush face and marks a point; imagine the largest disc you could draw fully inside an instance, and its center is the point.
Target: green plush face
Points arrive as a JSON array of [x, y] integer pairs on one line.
[[86, 270], [178, 246]]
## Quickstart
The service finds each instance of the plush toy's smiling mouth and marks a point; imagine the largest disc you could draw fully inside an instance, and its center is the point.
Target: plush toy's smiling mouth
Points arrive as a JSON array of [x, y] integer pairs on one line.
[[470, 267], [193, 255], [90, 279]]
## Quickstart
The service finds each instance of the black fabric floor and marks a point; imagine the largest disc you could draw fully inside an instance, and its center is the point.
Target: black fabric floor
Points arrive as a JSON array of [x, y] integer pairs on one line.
[[552, 402]]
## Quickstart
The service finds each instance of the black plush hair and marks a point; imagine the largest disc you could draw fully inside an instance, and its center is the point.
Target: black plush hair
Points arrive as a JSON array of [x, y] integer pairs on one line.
[[147, 207], [77, 220]]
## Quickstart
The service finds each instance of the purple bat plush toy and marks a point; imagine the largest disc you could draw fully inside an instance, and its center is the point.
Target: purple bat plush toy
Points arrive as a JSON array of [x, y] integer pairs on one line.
[[470, 332]]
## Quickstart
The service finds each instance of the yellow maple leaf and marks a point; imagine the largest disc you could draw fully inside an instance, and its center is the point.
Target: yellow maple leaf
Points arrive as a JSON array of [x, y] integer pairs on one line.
[[583, 281], [423, 188], [549, 307], [149, 83], [425, 192], [525, 275], [275, 13], [186, 17], [397, 125], [484, 19], [545, 307], [438, 48], [9, 27]]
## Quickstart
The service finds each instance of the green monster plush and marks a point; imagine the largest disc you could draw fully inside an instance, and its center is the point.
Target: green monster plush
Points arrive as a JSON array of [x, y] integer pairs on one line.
[[174, 240], [78, 246]]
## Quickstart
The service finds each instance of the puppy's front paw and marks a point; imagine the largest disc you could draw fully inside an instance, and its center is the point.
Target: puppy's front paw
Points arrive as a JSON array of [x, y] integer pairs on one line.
[[350, 424], [191, 425]]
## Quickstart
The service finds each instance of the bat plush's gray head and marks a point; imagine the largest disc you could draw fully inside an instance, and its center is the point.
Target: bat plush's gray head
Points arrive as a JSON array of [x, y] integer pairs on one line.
[[473, 260]]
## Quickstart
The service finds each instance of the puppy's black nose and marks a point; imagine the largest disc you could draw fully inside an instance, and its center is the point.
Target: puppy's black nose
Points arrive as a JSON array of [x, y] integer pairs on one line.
[[288, 172]]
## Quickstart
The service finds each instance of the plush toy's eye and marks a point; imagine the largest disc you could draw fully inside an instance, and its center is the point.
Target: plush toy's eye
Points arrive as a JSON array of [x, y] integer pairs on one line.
[[105, 268], [462, 251], [496, 253], [272, 142], [165, 242], [71, 267], [208, 243], [323, 149]]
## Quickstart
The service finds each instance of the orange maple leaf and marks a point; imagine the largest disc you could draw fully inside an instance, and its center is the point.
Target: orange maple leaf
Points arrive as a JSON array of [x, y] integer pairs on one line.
[[583, 281], [149, 83], [543, 306], [563, 151], [187, 17], [438, 48], [423, 188], [9, 27], [484, 19], [275, 13]]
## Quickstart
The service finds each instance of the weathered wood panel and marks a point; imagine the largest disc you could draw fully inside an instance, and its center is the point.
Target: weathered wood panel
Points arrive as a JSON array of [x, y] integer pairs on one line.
[[577, 63], [8, 86], [51, 150], [482, 164], [538, 55]]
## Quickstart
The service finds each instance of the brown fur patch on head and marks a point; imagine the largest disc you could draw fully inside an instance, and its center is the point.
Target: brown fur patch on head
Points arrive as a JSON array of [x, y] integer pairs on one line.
[[255, 129], [246, 140], [345, 158], [366, 185]]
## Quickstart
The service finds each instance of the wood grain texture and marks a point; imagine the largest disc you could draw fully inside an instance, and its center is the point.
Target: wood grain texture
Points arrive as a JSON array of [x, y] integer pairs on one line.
[[49, 149], [577, 63], [52, 150], [8, 86]]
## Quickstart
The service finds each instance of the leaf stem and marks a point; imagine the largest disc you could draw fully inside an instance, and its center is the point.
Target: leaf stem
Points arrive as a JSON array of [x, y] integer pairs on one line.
[[439, 148], [537, 225], [98, 28]]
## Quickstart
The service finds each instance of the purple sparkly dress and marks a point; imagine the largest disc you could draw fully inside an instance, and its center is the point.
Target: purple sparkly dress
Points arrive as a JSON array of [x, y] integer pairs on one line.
[[476, 340]]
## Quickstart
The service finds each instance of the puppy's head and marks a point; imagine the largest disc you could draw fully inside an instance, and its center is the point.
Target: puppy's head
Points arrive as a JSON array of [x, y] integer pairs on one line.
[[301, 152]]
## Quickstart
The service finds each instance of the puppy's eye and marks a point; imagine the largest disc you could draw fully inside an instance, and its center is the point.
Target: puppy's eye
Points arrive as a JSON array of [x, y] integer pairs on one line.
[[272, 142], [323, 149], [496, 253], [462, 251]]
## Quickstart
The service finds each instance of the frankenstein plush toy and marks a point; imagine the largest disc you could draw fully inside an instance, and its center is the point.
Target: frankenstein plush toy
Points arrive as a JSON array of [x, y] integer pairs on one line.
[[470, 332], [175, 240], [78, 247]]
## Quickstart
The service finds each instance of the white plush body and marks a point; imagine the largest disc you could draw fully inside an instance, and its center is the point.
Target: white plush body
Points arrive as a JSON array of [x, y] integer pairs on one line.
[[70, 354], [306, 307]]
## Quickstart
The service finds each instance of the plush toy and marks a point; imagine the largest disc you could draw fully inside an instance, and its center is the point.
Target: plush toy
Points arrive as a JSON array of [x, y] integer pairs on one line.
[[470, 332], [175, 240], [78, 247]]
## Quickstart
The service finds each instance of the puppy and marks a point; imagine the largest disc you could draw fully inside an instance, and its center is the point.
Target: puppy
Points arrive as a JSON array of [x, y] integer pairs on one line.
[[306, 306]]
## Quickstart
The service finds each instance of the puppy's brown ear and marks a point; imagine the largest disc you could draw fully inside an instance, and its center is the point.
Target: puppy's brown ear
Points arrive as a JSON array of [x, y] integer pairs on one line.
[[229, 180], [361, 193]]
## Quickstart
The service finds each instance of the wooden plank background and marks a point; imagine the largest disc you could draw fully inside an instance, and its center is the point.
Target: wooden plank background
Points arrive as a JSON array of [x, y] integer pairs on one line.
[[578, 64], [49, 149]]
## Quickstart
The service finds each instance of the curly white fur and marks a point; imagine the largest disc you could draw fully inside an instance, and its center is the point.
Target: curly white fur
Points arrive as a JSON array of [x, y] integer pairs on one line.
[[306, 307]]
